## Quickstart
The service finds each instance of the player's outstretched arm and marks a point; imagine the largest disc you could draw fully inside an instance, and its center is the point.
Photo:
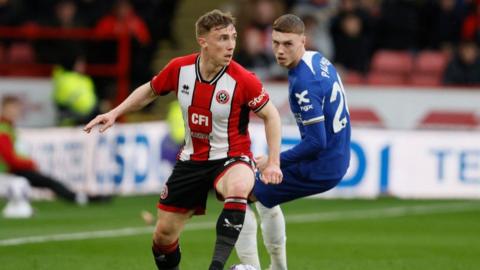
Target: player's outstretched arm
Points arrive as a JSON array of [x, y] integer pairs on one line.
[[271, 173], [142, 96]]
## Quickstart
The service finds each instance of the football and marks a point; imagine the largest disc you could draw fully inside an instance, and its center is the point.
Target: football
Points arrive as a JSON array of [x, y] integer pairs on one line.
[[242, 267]]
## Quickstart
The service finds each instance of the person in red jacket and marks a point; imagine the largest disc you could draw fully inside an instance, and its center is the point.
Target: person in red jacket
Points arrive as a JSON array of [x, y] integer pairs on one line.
[[14, 163], [123, 19]]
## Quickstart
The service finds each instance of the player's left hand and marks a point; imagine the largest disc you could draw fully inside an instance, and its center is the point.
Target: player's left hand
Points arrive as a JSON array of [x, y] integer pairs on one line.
[[272, 174], [261, 162]]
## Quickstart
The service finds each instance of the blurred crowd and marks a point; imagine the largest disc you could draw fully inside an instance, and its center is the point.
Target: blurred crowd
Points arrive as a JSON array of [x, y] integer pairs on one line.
[[353, 32], [357, 35], [145, 21]]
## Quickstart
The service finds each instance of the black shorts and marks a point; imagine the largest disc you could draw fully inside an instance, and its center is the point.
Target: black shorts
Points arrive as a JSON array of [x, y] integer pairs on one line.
[[188, 186]]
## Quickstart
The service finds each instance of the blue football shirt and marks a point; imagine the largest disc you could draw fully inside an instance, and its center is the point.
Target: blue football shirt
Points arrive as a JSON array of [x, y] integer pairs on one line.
[[318, 102]]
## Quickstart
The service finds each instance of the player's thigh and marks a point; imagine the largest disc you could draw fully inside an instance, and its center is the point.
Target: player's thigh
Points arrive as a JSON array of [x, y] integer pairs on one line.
[[170, 225], [236, 181], [292, 187]]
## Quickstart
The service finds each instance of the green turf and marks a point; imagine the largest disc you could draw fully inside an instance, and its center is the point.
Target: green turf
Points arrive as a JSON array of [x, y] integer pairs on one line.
[[344, 236]]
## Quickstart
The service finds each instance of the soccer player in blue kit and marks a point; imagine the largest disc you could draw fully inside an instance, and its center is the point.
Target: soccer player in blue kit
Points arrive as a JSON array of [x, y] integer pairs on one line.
[[315, 165]]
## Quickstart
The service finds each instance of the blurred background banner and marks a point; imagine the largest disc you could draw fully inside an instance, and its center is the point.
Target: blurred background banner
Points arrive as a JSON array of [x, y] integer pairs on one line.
[[429, 164], [128, 160], [37, 98], [406, 164], [125, 160]]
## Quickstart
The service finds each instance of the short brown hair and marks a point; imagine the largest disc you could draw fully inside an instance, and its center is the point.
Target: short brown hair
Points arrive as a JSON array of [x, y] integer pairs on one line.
[[9, 99], [289, 23], [212, 19]]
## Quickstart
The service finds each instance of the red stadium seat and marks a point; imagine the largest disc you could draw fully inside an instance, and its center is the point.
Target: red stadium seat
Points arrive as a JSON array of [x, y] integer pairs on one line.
[[352, 77], [392, 62], [20, 53], [450, 120], [431, 62], [429, 68], [382, 78], [2, 54]]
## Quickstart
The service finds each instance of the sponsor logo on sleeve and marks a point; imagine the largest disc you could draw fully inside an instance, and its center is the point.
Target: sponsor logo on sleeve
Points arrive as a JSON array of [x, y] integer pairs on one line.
[[303, 99], [258, 100]]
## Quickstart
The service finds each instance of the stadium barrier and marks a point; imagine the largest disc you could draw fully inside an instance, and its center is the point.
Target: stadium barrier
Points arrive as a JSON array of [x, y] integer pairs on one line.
[[401, 107], [118, 70], [127, 160]]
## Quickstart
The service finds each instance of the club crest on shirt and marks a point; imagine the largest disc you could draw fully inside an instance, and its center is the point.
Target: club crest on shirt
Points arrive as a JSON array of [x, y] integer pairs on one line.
[[164, 193], [222, 96]]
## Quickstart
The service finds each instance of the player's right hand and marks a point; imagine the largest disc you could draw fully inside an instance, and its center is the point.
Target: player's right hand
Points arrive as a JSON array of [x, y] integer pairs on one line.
[[272, 174], [106, 120]]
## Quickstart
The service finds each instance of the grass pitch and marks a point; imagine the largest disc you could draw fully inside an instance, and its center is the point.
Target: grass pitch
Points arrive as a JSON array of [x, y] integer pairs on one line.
[[322, 234]]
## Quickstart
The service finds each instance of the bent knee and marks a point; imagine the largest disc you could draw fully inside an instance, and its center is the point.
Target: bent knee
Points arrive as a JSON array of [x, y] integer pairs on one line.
[[239, 188], [164, 234]]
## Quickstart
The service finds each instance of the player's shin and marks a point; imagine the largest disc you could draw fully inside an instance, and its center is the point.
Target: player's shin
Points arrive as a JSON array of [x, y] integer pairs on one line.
[[246, 245], [167, 257], [274, 235], [229, 225]]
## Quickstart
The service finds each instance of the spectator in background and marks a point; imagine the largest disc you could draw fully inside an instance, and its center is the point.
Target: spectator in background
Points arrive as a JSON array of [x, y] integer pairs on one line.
[[92, 10], [124, 20], [471, 24], [397, 28], [10, 15], [351, 30], [253, 56], [57, 51], [256, 51], [37, 11], [11, 12], [352, 46], [464, 68], [322, 11], [74, 93], [371, 7], [14, 163], [159, 16], [317, 39], [441, 23]]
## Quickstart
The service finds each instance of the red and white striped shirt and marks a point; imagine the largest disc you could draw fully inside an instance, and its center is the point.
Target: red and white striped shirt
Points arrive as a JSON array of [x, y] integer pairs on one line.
[[216, 112]]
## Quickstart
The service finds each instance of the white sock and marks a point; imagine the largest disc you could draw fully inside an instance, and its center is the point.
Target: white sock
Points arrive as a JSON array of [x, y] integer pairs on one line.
[[274, 235], [246, 245]]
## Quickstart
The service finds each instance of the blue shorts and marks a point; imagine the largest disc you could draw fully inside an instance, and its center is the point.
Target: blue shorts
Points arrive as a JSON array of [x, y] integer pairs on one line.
[[293, 186]]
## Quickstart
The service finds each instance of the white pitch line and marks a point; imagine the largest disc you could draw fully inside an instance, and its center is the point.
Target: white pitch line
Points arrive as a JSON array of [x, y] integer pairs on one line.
[[398, 211], [300, 218]]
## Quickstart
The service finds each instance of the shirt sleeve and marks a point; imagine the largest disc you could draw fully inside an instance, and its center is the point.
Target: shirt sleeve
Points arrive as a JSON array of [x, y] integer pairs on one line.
[[166, 80], [310, 100], [257, 97], [314, 141], [9, 156]]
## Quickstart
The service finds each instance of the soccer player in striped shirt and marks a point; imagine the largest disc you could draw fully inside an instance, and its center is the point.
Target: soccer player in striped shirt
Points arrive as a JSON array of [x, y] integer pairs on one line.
[[216, 96]]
